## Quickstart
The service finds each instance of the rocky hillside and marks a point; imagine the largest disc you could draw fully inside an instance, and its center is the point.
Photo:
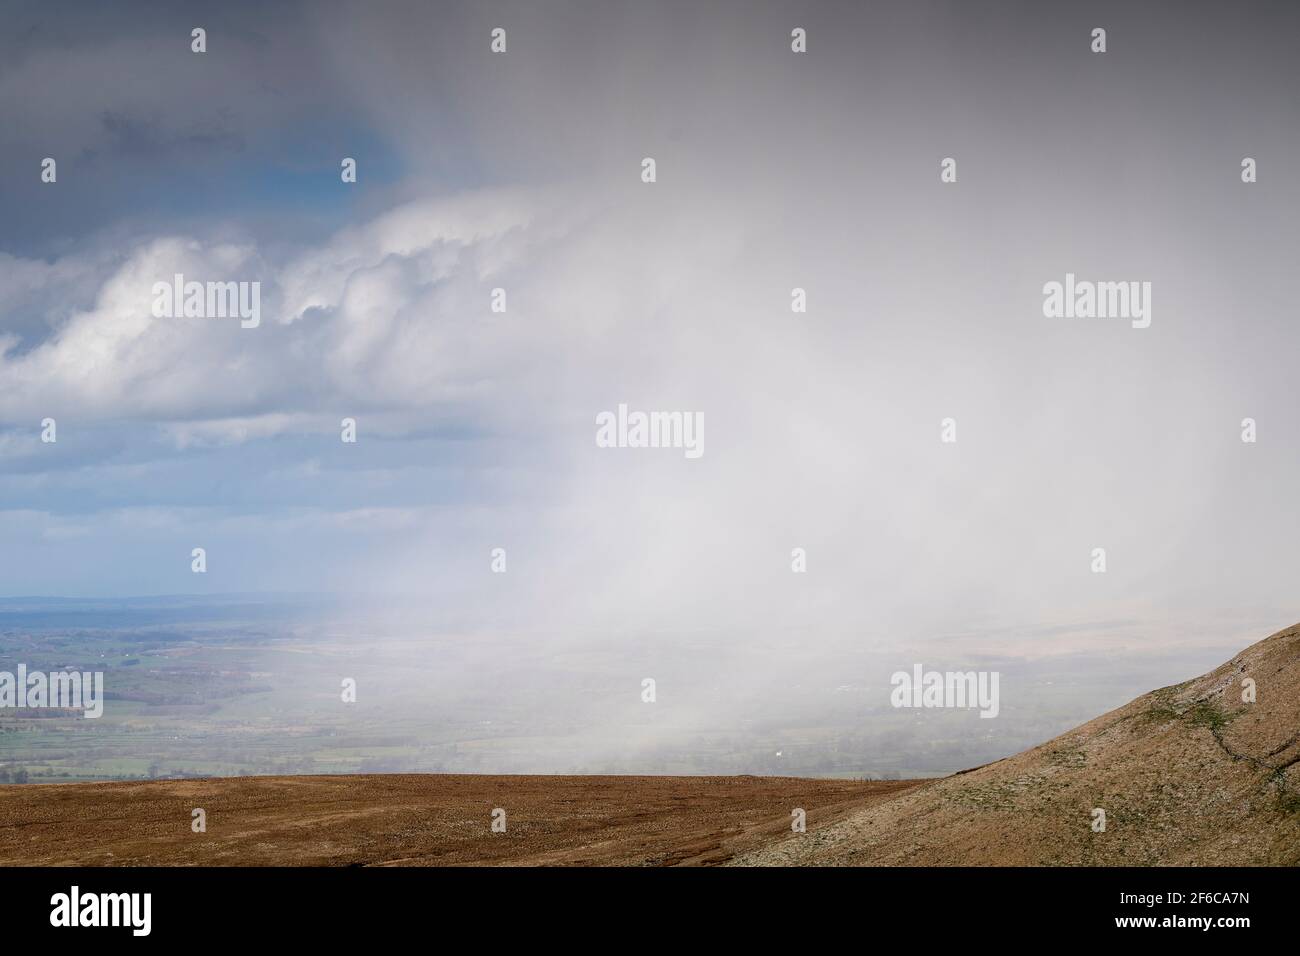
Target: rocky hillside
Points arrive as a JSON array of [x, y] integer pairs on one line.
[[1193, 774]]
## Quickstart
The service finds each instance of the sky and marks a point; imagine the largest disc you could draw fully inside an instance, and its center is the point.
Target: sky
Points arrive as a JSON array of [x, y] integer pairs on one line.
[[775, 170]]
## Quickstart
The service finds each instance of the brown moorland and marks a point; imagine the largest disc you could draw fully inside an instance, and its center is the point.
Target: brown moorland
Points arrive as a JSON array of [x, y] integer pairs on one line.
[[416, 819], [1189, 774]]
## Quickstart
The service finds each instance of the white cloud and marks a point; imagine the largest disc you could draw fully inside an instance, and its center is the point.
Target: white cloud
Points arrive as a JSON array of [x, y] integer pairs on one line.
[[392, 314]]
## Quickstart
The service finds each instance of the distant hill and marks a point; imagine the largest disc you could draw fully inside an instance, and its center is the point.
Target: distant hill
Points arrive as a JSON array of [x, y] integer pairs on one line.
[[1186, 775]]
